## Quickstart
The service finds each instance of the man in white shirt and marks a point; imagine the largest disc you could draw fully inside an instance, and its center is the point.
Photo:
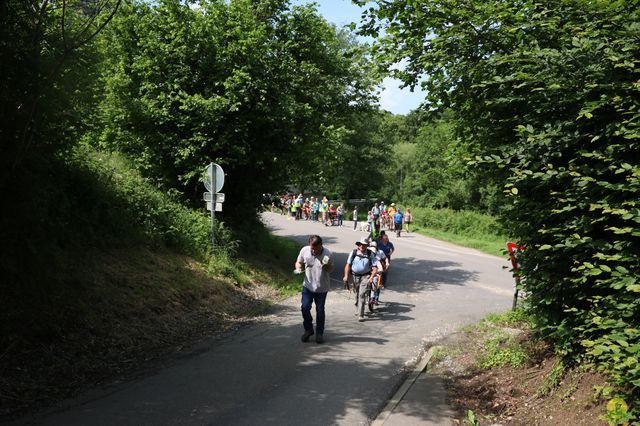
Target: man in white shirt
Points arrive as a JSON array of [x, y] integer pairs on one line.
[[316, 262]]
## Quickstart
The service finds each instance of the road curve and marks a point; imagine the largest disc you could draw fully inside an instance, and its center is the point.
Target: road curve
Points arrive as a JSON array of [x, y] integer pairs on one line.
[[263, 374]]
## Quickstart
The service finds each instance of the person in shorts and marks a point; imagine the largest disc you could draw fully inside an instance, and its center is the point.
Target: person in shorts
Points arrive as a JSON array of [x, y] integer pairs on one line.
[[397, 222], [408, 218]]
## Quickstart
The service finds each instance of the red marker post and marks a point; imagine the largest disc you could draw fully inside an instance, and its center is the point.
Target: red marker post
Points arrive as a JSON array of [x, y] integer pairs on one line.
[[513, 249]]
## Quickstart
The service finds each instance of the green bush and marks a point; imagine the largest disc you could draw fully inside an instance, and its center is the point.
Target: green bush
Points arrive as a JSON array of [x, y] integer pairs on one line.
[[159, 216], [466, 228], [546, 95], [464, 222]]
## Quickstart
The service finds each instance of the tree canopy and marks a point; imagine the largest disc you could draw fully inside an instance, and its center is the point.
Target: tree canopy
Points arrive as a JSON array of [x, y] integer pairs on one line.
[[546, 96], [266, 90]]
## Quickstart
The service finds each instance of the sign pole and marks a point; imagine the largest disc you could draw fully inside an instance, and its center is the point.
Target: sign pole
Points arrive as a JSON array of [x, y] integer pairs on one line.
[[513, 249], [212, 173]]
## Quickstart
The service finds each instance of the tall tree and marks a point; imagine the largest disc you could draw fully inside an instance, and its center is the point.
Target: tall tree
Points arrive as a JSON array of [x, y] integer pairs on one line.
[[547, 95], [257, 87], [44, 93]]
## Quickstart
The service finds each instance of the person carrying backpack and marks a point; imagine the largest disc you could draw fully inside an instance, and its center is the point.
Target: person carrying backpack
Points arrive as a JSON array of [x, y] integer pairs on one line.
[[362, 265]]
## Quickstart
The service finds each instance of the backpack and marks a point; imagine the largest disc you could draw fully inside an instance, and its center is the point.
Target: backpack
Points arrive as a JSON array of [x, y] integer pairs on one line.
[[370, 257]]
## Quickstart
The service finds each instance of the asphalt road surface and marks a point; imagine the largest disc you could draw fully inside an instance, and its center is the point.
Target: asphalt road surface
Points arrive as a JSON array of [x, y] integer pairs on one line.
[[263, 374]]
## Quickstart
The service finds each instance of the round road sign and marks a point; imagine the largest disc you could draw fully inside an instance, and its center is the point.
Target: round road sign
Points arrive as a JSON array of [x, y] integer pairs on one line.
[[214, 168]]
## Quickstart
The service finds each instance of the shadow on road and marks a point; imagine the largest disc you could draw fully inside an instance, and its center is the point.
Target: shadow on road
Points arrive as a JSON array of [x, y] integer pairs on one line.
[[310, 383], [409, 274]]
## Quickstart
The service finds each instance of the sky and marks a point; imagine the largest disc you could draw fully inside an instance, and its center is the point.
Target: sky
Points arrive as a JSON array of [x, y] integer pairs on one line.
[[392, 98]]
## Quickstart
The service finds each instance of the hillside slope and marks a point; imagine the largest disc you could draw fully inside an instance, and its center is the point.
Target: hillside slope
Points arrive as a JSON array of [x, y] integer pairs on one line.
[[98, 299]]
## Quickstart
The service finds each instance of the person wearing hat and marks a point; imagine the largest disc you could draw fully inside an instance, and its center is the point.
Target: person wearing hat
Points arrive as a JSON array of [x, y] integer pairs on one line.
[[317, 262], [361, 265]]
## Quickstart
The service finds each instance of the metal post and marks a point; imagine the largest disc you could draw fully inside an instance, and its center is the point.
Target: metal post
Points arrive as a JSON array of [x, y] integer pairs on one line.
[[212, 171], [515, 294]]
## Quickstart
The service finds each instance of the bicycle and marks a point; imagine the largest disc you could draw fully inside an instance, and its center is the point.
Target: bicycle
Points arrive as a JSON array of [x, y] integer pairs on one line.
[[369, 302]]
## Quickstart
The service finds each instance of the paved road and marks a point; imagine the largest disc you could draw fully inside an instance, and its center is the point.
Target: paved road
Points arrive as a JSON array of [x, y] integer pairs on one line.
[[263, 374]]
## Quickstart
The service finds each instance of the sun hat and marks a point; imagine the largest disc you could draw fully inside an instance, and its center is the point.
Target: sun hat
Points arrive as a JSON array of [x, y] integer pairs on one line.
[[373, 246], [363, 241], [393, 204]]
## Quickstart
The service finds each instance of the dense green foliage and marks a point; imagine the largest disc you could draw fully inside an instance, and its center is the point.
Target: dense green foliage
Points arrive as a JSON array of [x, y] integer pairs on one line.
[[266, 90], [271, 92], [547, 96], [111, 110], [464, 227], [426, 166], [541, 97], [48, 79]]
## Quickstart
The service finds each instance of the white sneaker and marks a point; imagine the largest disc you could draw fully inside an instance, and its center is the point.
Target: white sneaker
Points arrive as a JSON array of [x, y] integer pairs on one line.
[[360, 318]]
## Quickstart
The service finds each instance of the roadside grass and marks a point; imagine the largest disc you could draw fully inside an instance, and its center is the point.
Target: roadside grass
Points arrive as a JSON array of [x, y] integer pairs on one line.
[[442, 352], [272, 259], [121, 308], [114, 310], [500, 337], [502, 349], [511, 318], [489, 244], [466, 228], [552, 380]]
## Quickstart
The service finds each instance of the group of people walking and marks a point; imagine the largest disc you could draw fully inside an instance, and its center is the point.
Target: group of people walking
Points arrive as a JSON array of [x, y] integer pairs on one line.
[[311, 208], [378, 217], [382, 217], [365, 274]]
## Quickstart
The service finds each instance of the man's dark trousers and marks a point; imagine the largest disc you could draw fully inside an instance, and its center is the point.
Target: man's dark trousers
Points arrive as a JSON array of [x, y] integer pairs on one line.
[[309, 297]]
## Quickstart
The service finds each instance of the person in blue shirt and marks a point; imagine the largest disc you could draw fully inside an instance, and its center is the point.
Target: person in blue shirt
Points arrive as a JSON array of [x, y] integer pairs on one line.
[[397, 221], [362, 266], [387, 248], [315, 206], [378, 281]]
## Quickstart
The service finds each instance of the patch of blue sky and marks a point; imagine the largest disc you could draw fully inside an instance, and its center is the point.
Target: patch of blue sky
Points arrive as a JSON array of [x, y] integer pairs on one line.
[[392, 97]]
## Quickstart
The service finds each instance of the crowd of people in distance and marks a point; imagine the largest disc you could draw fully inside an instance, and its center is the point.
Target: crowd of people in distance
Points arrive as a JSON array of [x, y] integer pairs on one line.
[[379, 216], [367, 267]]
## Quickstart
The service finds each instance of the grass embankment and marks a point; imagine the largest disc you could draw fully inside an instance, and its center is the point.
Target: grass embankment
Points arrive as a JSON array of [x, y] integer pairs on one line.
[[465, 228], [121, 276], [499, 372]]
